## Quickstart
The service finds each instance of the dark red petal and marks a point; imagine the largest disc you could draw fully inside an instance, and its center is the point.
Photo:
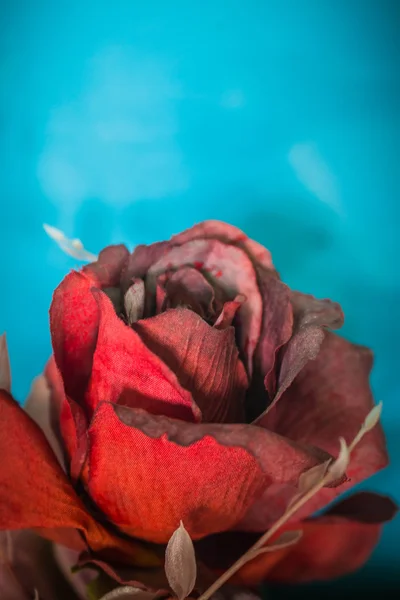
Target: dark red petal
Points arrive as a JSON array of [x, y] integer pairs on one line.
[[146, 473], [125, 371], [277, 321], [338, 542], [205, 360], [188, 287], [69, 420], [310, 317], [74, 322], [229, 235], [220, 551], [140, 261], [109, 265], [228, 268], [330, 398], [36, 494], [228, 312]]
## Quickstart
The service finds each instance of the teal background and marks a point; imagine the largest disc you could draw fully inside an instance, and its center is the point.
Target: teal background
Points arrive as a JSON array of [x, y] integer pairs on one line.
[[129, 121]]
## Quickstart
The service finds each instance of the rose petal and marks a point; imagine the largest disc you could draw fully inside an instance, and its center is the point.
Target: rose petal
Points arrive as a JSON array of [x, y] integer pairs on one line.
[[125, 371], [39, 408], [329, 399], [276, 329], [226, 267], [285, 565], [67, 421], [228, 312], [188, 287], [74, 322], [109, 265], [310, 317], [335, 544], [229, 235], [140, 261], [30, 567], [312, 311], [35, 492], [204, 359], [146, 473]]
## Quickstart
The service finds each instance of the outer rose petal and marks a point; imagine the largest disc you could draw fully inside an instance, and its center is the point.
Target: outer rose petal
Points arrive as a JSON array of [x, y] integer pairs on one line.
[[74, 322], [229, 235], [227, 267], [125, 371], [331, 545], [35, 492], [110, 263], [146, 473], [204, 359], [330, 398], [74, 318], [311, 316], [38, 406], [335, 544]]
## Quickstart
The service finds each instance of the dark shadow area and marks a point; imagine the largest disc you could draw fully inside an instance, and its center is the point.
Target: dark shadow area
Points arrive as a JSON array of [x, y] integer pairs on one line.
[[375, 582]]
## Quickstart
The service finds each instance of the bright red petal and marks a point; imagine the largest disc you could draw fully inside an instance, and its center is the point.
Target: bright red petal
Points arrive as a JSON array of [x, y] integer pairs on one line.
[[146, 473], [124, 370], [205, 360], [36, 494], [228, 268], [229, 235], [330, 398], [74, 322]]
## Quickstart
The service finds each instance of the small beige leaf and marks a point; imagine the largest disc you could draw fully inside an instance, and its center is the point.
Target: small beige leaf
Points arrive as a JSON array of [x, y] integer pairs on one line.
[[338, 468], [180, 563], [288, 538], [5, 368], [72, 247], [371, 420], [134, 301], [127, 592], [308, 480]]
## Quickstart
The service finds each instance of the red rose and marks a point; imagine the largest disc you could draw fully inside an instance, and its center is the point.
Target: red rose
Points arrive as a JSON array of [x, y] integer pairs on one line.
[[162, 359]]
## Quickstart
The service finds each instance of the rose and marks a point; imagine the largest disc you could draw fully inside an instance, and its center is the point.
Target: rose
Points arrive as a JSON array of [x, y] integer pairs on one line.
[[162, 358]]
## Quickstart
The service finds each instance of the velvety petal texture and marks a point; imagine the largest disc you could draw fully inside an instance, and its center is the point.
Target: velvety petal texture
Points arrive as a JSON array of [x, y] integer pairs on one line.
[[205, 475], [41, 497], [330, 398], [205, 360]]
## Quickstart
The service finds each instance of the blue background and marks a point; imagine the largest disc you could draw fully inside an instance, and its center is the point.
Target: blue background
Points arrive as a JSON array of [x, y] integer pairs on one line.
[[129, 121]]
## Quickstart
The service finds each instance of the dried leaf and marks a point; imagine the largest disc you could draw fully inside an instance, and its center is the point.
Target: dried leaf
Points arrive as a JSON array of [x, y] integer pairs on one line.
[[128, 592], [5, 369], [338, 468], [370, 421], [134, 301], [288, 538], [180, 563], [72, 247], [309, 479]]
